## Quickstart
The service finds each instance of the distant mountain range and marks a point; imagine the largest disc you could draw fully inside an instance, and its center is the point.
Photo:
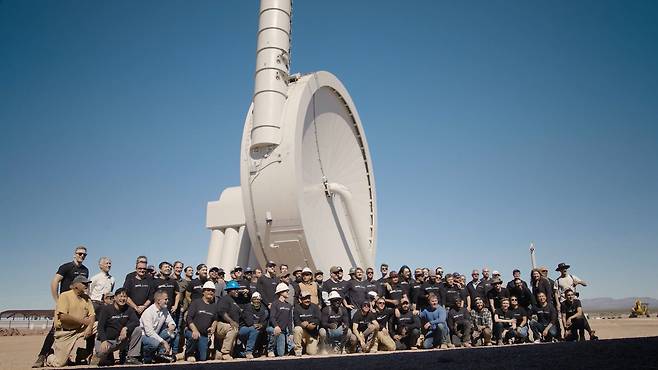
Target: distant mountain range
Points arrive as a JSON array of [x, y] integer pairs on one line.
[[615, 304]]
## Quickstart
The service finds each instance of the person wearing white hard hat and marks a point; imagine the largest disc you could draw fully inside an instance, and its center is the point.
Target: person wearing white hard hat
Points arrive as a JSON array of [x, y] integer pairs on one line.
[[335, 325], [280, 329], [253, 325], [307, 285], [201, 322]]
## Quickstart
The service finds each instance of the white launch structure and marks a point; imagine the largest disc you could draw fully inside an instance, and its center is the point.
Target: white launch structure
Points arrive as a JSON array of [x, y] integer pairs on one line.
[[307, 193]]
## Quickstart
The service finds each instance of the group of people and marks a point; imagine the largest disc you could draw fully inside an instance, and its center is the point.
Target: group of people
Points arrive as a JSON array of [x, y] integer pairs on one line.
[[178, 312]]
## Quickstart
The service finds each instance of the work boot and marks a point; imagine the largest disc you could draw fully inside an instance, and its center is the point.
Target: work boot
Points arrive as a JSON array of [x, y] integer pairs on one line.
[[249, 355], [41, 359], [132, 361]]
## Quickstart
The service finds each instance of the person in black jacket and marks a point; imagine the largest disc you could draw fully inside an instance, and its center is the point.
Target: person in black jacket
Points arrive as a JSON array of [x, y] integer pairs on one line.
[[525, 297], [253, 325], [116, 331], [306, 333], [407, 326]]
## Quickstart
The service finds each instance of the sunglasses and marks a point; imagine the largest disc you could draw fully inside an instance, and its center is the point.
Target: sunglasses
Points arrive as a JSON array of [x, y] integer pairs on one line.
[[81, 254], [403, 303]]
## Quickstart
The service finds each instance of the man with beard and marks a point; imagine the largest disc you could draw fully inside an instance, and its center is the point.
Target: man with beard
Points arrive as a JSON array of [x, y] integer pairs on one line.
[[497, 294], [267, 284], [201, 323], [516, 274], [482, 323], [525, 297], [216, 275], [435, 326], [503, 322], [450, 291], [459, 322], [307, 285], [364, 327], [116, 332], [487, 285], [244, 297], [228, 322], [356, 291], [393, 292], [195, 287], [417, 293], [306, 330], [475, 288], [253, 325], [335, 324], [335, 283], [407, 326], [74, 324], [167, 283], [544, 323]]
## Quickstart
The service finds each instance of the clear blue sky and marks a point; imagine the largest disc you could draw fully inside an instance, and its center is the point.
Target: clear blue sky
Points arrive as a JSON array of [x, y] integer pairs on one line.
[[490, 123]]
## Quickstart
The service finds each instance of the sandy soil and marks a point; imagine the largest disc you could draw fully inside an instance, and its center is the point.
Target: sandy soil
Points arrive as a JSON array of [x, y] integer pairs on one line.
[[18, 352]]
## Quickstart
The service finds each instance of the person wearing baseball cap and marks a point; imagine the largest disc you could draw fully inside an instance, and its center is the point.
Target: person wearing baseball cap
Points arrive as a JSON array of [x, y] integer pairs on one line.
[[267, 283], [253, 325], [201, 322], [117, 324], [306, 320], [195, 287], [216, 275], [407, 326], [76, 328], [335, 281], [567, 281], [280, 322]]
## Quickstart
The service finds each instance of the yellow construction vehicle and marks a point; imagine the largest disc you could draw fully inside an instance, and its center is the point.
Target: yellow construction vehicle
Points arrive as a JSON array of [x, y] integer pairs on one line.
[[640, 309]]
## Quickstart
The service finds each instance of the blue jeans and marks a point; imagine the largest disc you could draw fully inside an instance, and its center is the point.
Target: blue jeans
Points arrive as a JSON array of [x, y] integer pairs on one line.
[[151, 345], [437, 336], [277, 343], [335, 337], [248, 335], [196, 347], [538, 328]]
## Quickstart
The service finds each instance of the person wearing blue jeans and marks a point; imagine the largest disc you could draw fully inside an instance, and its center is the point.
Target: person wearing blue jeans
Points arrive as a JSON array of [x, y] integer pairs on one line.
[[280, 329], [201, 322], [159, 330], [544, 320], [520, 332], [435, 326], [253, 321], [279, 344]]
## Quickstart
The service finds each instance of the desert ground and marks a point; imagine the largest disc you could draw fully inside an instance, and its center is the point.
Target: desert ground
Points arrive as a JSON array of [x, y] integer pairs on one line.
[[18, 352]]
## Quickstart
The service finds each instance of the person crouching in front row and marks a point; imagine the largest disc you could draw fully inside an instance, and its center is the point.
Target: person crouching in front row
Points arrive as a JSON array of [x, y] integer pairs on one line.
[[201, 323], [159, 330], [307, 325]]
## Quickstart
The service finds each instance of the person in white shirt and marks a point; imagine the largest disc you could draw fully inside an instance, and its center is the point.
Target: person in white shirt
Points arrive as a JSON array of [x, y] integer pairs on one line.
[[159, 330], [101, 283]]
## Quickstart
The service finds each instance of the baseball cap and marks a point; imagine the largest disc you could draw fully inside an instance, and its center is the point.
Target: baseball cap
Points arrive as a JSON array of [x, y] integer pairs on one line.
[[304, 294], [270, 264], [81, 279], [335, 269]]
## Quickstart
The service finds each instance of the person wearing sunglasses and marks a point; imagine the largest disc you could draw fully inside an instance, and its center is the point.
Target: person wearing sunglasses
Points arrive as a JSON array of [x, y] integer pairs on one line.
[[384, 316], [407, 326], [521, 316], [140, 289], [59, 284]]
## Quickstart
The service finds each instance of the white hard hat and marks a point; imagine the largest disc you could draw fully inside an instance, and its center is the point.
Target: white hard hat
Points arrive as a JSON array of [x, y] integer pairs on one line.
[[334, 295], [307, 270], [209, 285], [256, 295], [282, 287]]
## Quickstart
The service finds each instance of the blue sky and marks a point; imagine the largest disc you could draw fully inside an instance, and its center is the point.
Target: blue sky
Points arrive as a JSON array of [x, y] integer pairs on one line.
[[490, 123]]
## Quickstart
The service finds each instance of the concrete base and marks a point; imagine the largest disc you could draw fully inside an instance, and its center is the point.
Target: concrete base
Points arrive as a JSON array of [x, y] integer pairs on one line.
[[631, 353]]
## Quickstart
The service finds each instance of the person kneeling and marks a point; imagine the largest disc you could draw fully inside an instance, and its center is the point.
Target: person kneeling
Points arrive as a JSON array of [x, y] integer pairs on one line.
[[407, 326], [307, 325], [573, 318], [118, 329], [228, 312], [365, 328], [201, 322], [159, 330], [253, 324], [459, 321], [544, 320], [482, 323], [435, 327]]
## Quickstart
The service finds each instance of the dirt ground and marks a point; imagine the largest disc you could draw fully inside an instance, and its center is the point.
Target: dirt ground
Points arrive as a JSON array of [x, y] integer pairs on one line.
[[18, 352]]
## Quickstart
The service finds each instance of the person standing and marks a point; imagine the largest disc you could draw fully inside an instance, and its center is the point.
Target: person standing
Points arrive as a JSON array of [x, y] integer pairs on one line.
[[356, 291], [497, 294], [335, 283], [267, 284], [195, 287], [450, 291], [139, 289], [393, 292], [541, 284], [74, 324], [307, 285], [101, 283], [216, 275], [118, 331], [59, 284]]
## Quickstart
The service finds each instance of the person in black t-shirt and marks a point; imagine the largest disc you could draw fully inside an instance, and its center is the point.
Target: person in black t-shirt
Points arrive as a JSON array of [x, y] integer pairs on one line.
[[228, 323], [525, 297], [521, 316], [61, 283], [117, 324], [544, 320], [365, 328], [139, 289], [407, 326], [306, 332], [504, 322], [253, 325], [384, 316], [573, 318], [169, 284], [335, 283], [459, 322], [450, 292], [497, 294], [202, 315], [335, 325], [267, 284], [393, 292]]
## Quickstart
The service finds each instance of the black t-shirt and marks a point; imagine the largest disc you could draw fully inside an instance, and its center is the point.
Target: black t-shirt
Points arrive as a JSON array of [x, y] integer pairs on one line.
[[139, 290], [195, 287], [432, 288], [545, 315], [407, 320], [281, 315], [266, 286], [332, 316], [570, 309], [518, 314], [417, 295], [244, 297], [507, 315], [362, 321], [497, 296], [458, 316], [396, 292], [406, 286], [202, 315], [449, 294], [227, 305], [335, 286], [384, 317], [69, 271], [168, 285], [357, 292], [112, 320], [310, 314]]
